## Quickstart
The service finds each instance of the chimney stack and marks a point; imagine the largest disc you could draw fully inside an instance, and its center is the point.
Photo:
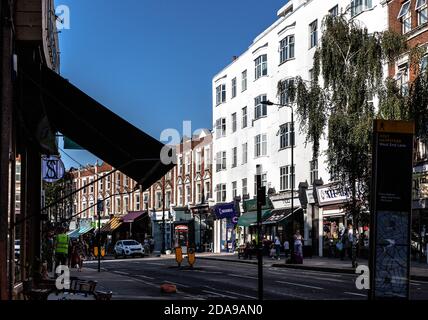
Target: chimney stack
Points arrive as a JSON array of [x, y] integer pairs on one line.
[[234, 58]]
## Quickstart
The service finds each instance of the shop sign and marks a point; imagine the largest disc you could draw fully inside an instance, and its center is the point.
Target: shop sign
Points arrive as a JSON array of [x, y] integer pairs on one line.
[[283, 201], [310, 196], [53, 169], [332, 194], [224, 211]]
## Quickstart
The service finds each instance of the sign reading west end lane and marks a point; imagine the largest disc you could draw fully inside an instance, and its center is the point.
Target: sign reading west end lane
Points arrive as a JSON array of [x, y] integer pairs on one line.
[[391, 209], [52, 169]]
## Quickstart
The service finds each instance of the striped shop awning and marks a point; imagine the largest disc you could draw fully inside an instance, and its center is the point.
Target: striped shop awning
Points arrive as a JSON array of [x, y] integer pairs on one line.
[[112, 225]]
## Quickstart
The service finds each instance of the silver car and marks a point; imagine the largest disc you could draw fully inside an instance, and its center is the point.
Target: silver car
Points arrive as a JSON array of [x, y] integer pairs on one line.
[[128, 248]]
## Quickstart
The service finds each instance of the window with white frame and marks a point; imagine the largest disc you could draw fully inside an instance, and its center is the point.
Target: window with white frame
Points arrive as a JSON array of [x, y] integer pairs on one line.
[[233, 87], [198, 161], [287, 178], [101, 184], [180, 165], [286, 136], [403, 78], [284, 96], [221, 128], [405, 16], [188, 164], [118, 204], [180, 195], [91, 185], [167, 199], [158, 201], [261, 68], [264, 182], [313, 169], [313, 32], [286, 49], [244, 117], [234, 189], [188, 194], [244, 80], [234, 157], [207, 190], [198, 193], [234, 125], [146, 201], [424, 63], [358, 6], [221, 161], [244, 187], [260, 145], [221, 192], [422, 11], [260, 110], [126, 199], [334, 11], [137, 202], [220, 94], [207, 155], [245, 153]]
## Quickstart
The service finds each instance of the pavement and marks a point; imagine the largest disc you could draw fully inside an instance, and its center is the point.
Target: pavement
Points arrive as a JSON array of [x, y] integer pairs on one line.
[[220, 277]]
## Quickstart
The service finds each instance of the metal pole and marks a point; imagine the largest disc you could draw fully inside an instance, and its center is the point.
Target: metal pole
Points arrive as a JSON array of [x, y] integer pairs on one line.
[[259, 232], [99, 242], [292, 165], [163, 216]]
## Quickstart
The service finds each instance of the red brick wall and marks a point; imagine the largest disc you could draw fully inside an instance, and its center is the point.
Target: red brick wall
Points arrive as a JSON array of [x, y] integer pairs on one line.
[[394, 7]]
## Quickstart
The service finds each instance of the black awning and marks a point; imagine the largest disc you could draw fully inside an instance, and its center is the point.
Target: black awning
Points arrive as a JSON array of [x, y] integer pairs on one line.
[[279, 215], [100, 131]]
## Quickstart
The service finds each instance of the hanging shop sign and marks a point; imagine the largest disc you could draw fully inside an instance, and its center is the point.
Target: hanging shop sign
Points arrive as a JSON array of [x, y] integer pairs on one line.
[[332, 194], [391, 209], [53, 169], [224, 211]]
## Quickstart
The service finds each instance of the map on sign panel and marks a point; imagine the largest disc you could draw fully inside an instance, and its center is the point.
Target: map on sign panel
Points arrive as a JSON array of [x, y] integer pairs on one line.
[[392, 254]]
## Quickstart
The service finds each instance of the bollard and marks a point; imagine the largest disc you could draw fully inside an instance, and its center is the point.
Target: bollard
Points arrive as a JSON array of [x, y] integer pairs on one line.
[[179, 255], [191, 256]]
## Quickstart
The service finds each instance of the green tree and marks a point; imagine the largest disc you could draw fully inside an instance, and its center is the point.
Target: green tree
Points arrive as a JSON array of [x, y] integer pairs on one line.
[[337, 102]]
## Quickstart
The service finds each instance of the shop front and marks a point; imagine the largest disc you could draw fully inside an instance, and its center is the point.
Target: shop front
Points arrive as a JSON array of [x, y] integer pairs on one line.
[[225, 225], [332, 199], [157, 224], [204, 226]]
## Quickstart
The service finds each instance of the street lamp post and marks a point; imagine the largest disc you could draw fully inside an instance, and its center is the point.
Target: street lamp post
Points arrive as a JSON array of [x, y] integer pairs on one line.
[[292, 173], [163, 216]]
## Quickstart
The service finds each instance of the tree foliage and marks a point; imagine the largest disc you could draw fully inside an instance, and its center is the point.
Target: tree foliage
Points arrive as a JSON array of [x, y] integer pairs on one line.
[[338, 102]]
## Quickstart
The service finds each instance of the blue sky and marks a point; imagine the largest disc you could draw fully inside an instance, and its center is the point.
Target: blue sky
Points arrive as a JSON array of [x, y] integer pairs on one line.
[[152, 61]]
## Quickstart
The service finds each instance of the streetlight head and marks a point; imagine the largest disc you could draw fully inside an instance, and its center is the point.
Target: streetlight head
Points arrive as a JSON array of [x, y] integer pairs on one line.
[[268, 103]]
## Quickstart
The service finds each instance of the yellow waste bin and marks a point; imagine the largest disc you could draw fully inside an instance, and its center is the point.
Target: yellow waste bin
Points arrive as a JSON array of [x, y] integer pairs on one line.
[[191, 256]]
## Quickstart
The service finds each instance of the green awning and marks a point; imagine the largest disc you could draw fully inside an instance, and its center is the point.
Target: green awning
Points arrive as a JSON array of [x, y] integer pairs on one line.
[[250, 218], [251, 205]]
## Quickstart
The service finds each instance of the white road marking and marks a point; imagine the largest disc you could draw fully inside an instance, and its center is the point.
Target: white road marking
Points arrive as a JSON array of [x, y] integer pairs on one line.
[[300, 285], [145, 277], [120, 272], [240, 276], [218, 294], [317, 278], [356, 294], [241, 295], [155, 264]]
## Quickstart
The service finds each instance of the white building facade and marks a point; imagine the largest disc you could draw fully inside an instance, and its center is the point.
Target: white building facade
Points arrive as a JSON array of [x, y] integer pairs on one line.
[[248, 133]]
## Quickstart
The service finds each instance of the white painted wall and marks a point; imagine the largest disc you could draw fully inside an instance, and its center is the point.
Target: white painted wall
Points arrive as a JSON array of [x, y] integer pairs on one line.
[[297, 24]]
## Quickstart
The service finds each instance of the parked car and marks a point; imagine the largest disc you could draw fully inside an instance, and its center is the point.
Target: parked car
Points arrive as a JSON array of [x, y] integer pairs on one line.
[[17, 248], [128, 248]]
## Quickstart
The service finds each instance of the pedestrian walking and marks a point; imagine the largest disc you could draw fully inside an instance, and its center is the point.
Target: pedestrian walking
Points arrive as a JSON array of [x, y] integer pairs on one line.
[[277, 248], [298, 248], [286, 249], [272, 251]]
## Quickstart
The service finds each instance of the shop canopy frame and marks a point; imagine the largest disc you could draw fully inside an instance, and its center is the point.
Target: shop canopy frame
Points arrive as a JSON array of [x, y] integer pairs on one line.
[[100, 131]]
